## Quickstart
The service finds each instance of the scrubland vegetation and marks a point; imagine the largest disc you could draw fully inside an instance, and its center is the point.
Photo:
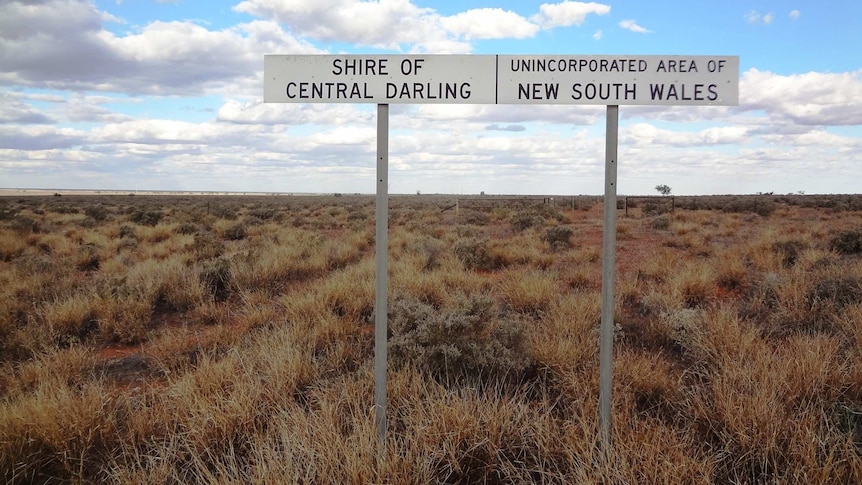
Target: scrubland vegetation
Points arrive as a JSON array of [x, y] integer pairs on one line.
[[230, 340]]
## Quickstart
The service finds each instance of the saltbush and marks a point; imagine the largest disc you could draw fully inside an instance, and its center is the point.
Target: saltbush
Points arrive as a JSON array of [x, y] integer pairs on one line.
[[216, 276], [524, 220], [473, 340], [660, 223], [474, 253], [847, 242], [146, 218], [235, 232], [97, 212], [837, 292], [559, 238], [789, 250]]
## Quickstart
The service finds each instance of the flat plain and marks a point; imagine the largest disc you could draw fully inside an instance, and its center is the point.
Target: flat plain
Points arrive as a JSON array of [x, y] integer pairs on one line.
[[229, 339]]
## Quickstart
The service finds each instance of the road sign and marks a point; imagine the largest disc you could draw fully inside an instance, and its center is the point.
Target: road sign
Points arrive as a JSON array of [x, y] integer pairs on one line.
[[502, 79], [618, 80], [380, 79]]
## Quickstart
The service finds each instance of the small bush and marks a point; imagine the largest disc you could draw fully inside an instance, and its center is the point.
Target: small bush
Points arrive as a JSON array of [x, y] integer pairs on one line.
[[789, 251], [263, 213], [761, 207], [655, 208], [127, 231], [206, 246], [187, 228], [559, 238], [847, 242], [88, 258], [660, 223], [146, 218], [216, 275], [473, 340], [357, 216], [473, 252], [235, 232], [25, 225], [839, 292], [476, 218], [97, 212], [524, 220]]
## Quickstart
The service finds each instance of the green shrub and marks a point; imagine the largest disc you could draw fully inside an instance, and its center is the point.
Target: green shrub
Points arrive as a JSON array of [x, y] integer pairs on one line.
[[187, 228], [216, 276], [206, 246], [97, 212], [476, 218], [473, 252], [655, 208], [660, 223], [760, 206], [473, 340], [235, 232], [25, 225], [263, 213], [847, 242], [146, 218], [559, 237], [789, 250], [127, 231], [837, 292], [524, 220]]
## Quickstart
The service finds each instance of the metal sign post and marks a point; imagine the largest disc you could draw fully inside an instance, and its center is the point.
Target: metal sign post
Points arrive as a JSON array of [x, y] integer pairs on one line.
[[381, 272], [609, 250]]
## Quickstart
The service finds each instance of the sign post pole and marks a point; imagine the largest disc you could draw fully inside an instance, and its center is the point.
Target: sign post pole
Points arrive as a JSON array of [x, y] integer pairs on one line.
[[381, 274], [609, 243]]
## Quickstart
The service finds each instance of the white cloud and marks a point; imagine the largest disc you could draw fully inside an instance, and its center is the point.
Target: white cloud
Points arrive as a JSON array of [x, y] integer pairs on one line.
[[385, 24], [794, 14], [567, 13], [489, 23], [257, 112], [597, 35], [14, 110], [755, 17], [805, 99], [647, 135], [60, 44], [634, 27]]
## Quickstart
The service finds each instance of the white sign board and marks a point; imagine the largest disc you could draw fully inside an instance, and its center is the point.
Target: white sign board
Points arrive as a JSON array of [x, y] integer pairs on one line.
[[618, 80], [379, 79], [502, 79]]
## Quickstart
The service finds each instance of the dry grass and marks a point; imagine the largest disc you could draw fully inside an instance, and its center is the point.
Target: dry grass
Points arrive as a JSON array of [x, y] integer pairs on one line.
[[230, 340]]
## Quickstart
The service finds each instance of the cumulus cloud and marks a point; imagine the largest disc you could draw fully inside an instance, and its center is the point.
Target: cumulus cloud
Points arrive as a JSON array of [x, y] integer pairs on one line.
[[805, 99], [755, 17], [402, 25], [256, 112], [633, 26], [645, 134], [567, 13], [489, 23], [38, 137], [794, 14], [61, 44], [13, 110], [385, 24], [512, 128]]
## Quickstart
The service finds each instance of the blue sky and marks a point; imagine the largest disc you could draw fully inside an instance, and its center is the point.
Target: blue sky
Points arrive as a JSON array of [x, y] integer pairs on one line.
[[168, 95]]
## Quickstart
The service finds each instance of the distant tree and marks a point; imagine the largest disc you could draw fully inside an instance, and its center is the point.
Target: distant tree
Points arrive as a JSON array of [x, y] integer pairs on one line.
[[663, 189]]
